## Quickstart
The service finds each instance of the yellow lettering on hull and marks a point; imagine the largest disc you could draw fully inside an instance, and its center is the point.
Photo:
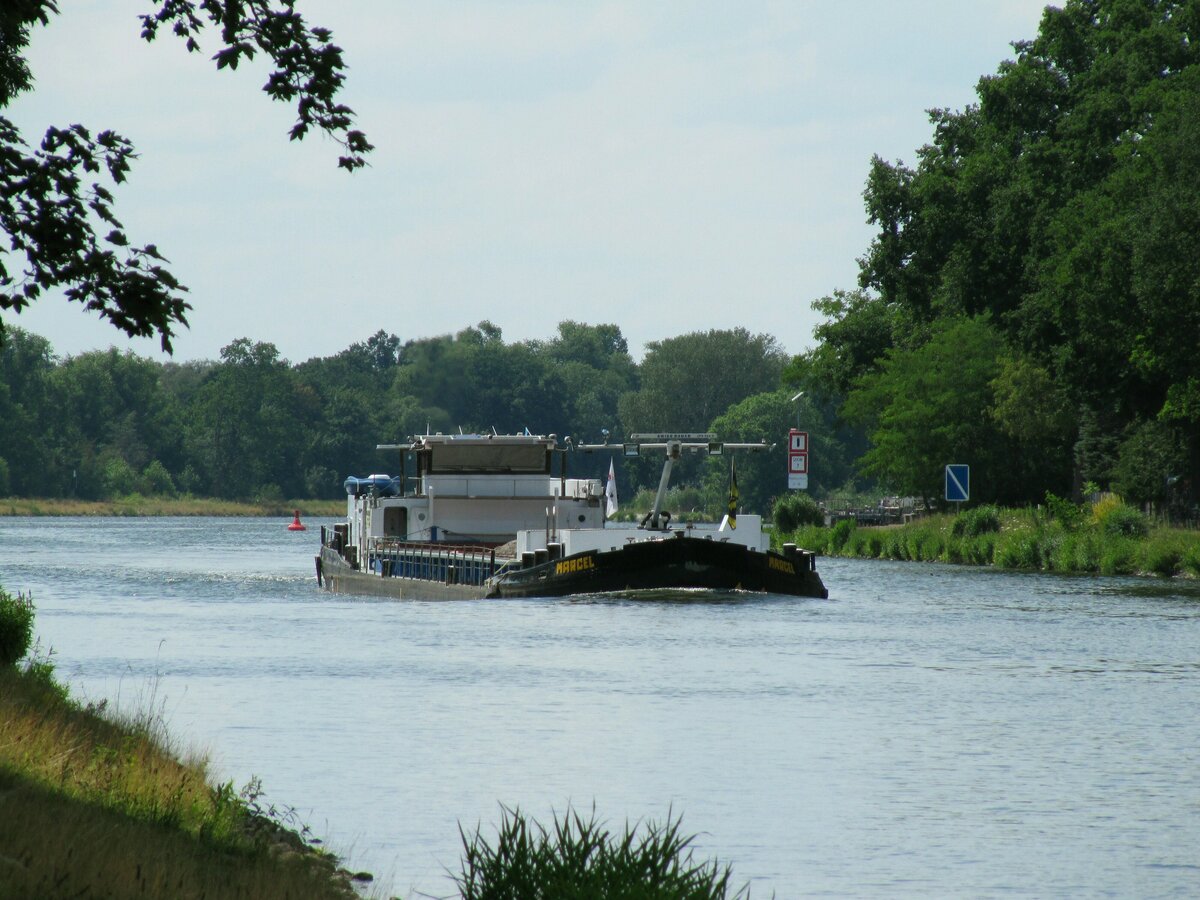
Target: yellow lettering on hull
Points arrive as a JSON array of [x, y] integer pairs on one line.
[[781, 564], [570, 566]]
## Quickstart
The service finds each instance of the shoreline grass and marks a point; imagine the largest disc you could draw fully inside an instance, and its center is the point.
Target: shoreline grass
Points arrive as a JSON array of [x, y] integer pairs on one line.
[[136, 505], [1068, 540], [95, 804]]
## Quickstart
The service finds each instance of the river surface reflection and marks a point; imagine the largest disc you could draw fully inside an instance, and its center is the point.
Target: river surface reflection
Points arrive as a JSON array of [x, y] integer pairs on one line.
[[927, 731]]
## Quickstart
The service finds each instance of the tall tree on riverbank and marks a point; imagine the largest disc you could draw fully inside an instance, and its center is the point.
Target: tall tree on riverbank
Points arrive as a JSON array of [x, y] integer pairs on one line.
[[1061, 206]]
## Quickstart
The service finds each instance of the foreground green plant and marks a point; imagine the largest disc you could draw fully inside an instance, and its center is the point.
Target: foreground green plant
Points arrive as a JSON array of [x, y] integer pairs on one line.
[[16, 627], [579, 859]]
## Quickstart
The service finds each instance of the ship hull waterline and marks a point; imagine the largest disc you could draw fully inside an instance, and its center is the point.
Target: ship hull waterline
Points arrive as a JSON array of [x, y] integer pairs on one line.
[[670, 563]]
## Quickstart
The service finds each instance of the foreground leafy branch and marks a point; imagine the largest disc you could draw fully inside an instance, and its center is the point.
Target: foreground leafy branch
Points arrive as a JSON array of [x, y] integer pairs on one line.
[[57, 216], [54, 214], [308, 67]]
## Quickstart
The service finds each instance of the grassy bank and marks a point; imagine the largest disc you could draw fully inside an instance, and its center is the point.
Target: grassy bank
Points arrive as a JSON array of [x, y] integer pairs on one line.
[[95, 806], [1106, 538], [137, 505]]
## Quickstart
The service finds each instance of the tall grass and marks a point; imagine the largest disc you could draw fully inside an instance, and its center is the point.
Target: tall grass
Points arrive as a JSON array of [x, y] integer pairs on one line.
[[578, 858], [97, 806], [1112, 539]]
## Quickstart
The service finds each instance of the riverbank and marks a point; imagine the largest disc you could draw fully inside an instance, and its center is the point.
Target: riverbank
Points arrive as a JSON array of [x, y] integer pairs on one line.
[[137, 505], [1105, 538], [98, 805]]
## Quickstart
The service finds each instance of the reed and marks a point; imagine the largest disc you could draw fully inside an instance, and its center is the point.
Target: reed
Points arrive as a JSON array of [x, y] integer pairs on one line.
[[1111, 539], [579, 857]]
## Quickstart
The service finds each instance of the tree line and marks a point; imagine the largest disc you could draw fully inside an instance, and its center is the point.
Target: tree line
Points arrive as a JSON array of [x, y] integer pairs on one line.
[[1029, 306], [252, 425]]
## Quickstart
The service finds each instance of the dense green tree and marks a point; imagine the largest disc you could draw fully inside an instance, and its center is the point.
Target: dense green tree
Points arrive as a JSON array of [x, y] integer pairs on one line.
[[1150, 463], [27, 414], [762, 475], [112, 406], [56, 210], [688, 381], [929, 407], [858, 330], [248, 423], [1062, 205], [596, 370]]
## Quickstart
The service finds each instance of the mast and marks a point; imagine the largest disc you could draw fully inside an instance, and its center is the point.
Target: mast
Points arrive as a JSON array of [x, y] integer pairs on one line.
[[673, 444]]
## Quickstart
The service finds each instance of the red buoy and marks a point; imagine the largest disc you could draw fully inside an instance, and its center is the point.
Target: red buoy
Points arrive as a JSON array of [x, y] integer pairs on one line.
[[296, 523]]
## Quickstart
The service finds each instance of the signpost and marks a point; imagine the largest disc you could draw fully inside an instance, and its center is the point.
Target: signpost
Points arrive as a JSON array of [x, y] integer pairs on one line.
[[958, 483], [797, 460]]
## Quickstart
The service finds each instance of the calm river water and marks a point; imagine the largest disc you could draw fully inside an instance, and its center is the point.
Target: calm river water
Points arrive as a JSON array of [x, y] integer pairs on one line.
[[928, 731]]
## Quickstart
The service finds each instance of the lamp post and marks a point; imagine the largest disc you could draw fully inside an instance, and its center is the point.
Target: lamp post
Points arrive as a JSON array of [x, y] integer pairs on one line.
[[795, 400]]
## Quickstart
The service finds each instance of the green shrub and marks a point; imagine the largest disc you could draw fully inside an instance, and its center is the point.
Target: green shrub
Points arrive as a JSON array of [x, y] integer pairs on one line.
[[840, 534], [894, 544], [16, 627], [1126, 521], [269, 495], [1017, 550], [1087, 551], [976, 521], [923, 543], [1119, 557], [1066, 513], [1058, 551], [39, 669], [812, 537], [580, 858], [873, 544], [1163, 559], [118, 478], [1191, 559], [979, 551], [156, 480], [794, 509]]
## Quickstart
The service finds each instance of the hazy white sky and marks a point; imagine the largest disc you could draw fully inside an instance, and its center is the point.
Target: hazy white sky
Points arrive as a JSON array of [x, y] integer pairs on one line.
[[667, 166]]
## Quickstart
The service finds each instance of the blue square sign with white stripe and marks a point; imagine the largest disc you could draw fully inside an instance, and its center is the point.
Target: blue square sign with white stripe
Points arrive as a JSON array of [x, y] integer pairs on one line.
[[958, 482]]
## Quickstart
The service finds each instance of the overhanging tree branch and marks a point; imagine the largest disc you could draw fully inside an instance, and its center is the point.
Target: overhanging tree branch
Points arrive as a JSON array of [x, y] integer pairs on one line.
[[54, 205], [309, 68], [52, 215]]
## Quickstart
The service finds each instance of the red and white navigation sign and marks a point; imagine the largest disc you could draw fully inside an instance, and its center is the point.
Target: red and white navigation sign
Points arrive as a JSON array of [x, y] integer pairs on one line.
[[797, 460]]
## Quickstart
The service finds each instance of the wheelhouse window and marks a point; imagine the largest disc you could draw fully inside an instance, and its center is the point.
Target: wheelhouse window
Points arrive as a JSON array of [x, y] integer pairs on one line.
[[509, 459]]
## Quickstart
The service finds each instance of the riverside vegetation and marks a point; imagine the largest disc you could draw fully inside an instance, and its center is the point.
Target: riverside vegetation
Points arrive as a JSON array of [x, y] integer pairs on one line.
[[140, 505], [1104, 537], [99, 804]]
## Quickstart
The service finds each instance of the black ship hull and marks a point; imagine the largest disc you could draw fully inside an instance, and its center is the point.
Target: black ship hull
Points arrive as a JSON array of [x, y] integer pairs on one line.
[[674, 562], [670, 563]]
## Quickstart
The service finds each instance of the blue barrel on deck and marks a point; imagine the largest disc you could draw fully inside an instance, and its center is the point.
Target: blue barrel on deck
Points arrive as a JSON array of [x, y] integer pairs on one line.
[[386, 485]]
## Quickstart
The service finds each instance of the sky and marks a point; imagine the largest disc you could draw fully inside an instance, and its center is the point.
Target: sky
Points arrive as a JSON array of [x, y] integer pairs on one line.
[[669, 167]]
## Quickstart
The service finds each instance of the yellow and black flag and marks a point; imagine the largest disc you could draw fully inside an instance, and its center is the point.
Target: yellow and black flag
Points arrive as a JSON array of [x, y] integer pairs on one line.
[[733, 494]]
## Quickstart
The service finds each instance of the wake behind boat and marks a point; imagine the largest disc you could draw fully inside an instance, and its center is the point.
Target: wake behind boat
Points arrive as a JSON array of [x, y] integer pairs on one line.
[[486, 516]]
